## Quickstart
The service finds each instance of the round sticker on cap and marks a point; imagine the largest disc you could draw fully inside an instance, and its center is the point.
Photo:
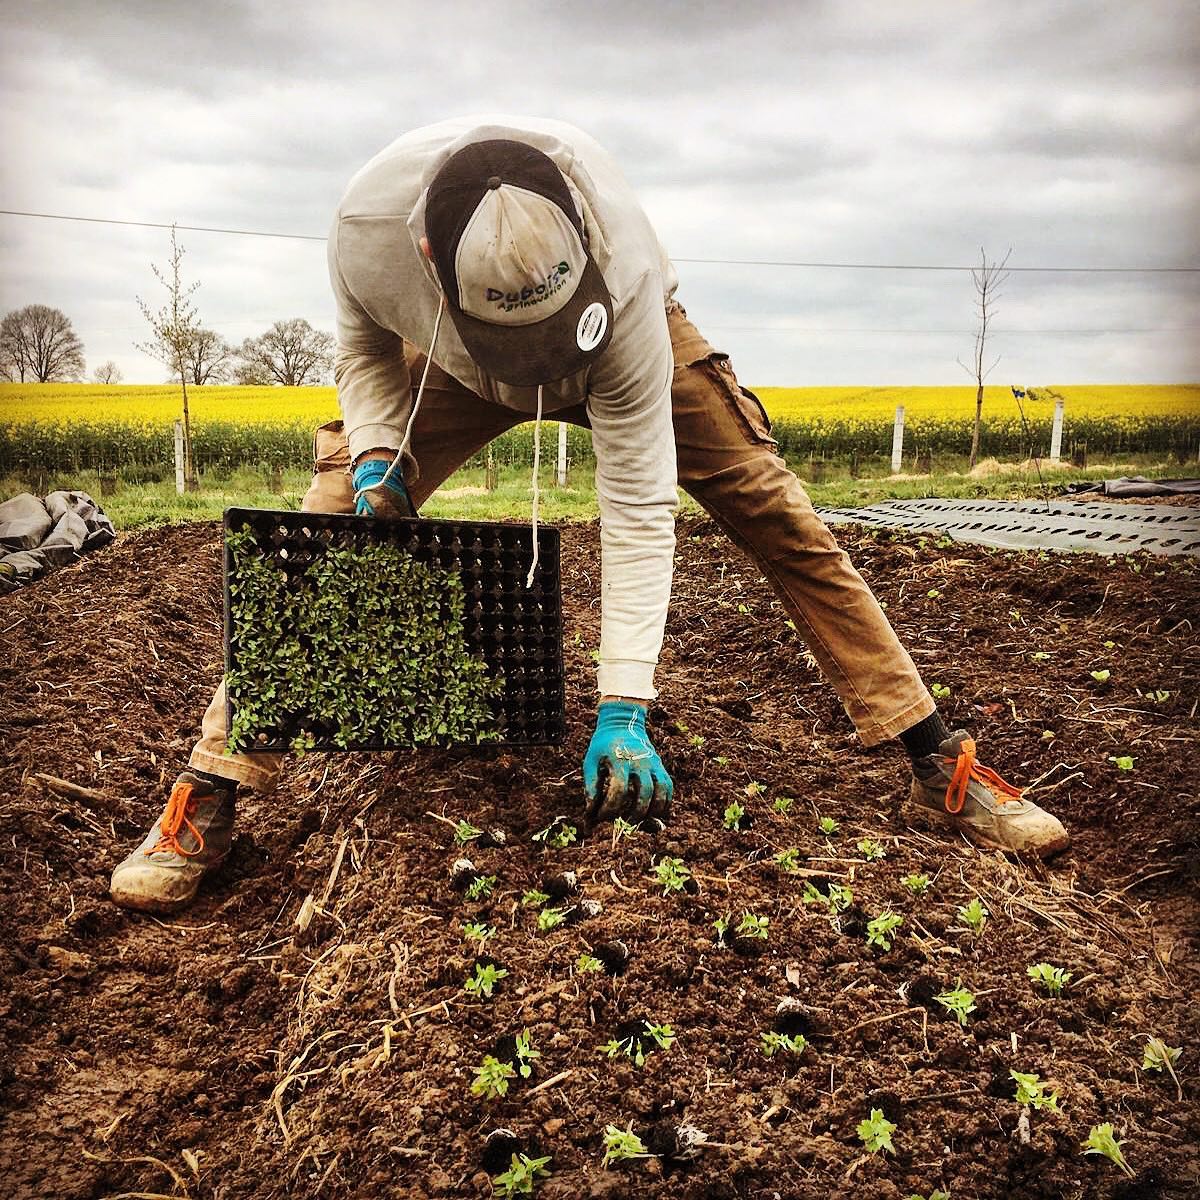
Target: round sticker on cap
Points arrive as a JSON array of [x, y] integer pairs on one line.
[[592, 323]]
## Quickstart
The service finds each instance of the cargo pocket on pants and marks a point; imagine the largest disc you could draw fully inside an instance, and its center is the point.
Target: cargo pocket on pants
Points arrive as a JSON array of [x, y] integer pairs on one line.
[[331, 450], [746, 407]]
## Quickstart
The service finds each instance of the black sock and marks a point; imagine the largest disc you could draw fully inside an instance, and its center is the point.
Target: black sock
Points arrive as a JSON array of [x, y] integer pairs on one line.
[[925, 736], [218, 781]]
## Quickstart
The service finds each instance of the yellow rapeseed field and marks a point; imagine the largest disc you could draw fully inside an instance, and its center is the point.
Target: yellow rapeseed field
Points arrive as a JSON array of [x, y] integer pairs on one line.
[[1135, 400], [51, 427], [135, 404]]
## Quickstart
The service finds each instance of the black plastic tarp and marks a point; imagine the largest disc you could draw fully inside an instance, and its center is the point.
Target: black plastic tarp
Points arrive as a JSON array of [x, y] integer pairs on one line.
[[1136, 485]]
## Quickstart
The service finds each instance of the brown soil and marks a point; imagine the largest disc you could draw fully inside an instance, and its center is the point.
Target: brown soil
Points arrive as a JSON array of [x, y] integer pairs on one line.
[[337, 1062]]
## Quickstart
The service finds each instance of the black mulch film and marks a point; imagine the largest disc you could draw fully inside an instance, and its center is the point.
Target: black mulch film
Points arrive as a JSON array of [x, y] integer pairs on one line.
[[516, 630]]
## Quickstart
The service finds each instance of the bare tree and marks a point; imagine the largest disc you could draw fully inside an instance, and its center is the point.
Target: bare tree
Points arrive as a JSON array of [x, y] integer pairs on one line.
[[39, 345], [988, 279], [107, 372], [291, 353], [173, 328], [209, 358]]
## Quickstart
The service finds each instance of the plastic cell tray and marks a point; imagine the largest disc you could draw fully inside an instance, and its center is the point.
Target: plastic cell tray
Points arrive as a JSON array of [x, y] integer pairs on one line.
[[516, 630]]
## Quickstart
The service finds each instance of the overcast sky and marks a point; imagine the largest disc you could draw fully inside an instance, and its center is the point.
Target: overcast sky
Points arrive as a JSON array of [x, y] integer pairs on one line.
[[869, 132]]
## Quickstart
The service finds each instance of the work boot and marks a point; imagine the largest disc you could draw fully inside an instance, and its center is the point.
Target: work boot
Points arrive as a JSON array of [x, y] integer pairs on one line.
[[973, 798], [191, 838]]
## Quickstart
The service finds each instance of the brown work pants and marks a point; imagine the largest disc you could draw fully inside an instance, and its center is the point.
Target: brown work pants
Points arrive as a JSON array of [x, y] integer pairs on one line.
[[728, 463]]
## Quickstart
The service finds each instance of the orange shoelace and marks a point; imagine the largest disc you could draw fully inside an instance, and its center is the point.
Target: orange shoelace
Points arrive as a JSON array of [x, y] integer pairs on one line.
[[966, 769], [180, 807]]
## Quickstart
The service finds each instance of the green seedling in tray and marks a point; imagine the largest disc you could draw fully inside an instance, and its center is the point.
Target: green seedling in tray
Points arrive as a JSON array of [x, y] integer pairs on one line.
[[290, 642]]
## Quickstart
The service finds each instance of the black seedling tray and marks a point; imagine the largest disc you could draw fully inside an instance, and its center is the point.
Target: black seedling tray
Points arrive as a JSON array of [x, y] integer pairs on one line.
[[516, 630]]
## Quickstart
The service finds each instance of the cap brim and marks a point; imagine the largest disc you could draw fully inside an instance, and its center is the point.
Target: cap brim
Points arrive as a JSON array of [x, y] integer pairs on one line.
[[546, 351]]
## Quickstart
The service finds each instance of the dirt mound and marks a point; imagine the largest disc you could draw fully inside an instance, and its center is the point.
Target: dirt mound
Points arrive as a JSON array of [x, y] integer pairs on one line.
[[231, 1053]]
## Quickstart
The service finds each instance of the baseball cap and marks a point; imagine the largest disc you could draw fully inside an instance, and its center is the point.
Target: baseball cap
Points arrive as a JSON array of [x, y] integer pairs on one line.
[[526, 297]]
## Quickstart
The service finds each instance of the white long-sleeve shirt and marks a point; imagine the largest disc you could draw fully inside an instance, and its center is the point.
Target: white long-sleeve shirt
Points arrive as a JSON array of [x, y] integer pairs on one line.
[[387, 291]]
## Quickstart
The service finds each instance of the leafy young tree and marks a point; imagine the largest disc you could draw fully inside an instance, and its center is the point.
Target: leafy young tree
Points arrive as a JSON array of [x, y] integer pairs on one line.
[[173, 328], [291, 353], [39, 345], [107, 372], [988, 278]]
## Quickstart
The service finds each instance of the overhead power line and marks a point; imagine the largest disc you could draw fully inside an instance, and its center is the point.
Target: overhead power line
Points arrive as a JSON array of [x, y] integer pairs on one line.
[[295, 237], [722, 262]]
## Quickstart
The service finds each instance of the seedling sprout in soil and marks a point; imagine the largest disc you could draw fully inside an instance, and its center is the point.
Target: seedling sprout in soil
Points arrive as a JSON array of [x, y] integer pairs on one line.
[[1101, 1141], [940, 691], [752, 926], [958, 1002], [620, 1145], [550, 918], [1031, 1091], [482, 981], [526, 1054], [478, 931], [836, 900], [534, 899], [465, 832], [558, 834], [936, 1194], [916, 883], [1101, 676], [875, 1132], [828, 826], [773, 1042], [522, 1175], [870, 849], [480, 887], [721, 925], [783, 805], [587, 964], [788, 860], [1123, 762], [1053, 979], [880, 927], [1158, 1056], [491, 1078], [623, 829], [974, 915], [671, 875], [732, 818], [638, 1045]]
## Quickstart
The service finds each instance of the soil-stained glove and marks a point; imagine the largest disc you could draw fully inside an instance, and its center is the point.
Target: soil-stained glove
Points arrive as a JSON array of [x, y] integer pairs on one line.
[[378, 496], [622, 773]]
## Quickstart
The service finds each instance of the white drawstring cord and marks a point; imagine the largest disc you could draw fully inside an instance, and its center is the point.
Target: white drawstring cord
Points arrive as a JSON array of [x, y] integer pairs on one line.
[[537, 462], [404, 442]]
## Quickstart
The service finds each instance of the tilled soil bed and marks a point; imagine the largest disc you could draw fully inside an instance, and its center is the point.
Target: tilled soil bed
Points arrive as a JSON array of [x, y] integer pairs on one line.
[[304, 1029]]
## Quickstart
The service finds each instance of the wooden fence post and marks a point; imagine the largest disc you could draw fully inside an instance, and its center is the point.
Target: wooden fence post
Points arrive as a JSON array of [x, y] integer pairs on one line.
[[180, 478], [1056, 433], [898, 440]]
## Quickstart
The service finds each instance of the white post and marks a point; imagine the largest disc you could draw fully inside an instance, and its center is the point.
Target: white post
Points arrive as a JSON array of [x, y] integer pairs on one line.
[[560, 476], [180, 482], [898, 440], [1056, 433]]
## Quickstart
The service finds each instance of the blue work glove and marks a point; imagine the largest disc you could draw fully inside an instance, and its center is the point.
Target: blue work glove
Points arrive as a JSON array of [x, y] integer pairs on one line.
[[376, 498], [622, 773]]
